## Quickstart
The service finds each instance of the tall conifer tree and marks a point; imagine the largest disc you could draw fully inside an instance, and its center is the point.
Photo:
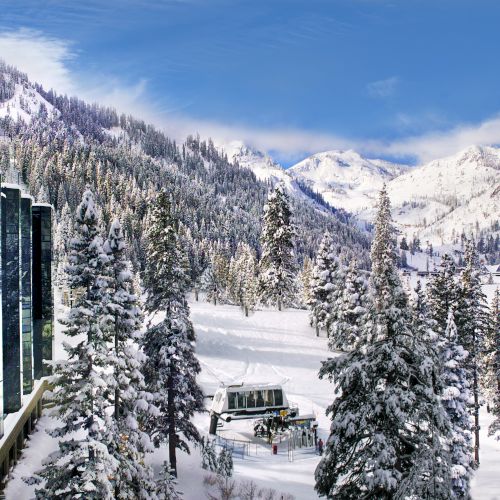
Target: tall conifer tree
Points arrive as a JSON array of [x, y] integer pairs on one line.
[[352, 310], [455, 398], [387, 423], [494, 365], [83, 466], [278, 284], [171, 366], [442, 293], [471, 321], [325, 286], [131, 402]]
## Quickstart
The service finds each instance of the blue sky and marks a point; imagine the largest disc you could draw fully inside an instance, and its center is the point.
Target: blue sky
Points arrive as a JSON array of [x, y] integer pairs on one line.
[[395, 79]]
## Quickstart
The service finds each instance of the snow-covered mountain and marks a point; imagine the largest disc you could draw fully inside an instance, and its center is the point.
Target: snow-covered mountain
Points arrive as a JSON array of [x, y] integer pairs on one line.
[[443, 198], [266, 168], [345, 179], [24, 103], [262, 165], [436, 201]]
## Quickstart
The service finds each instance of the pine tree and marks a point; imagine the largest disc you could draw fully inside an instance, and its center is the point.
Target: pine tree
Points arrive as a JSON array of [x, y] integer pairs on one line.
[[277, 285], [171, 366], [225, 462], [62, 239], [166, 485], [325, 287], [131, 402], [387, 423], [494, 365], [210, 285], [352, 311], [442, 293], [83, 465], [455, 398], [306, 281], [43, 195], [471, 320], [208, 455], [242, 279]]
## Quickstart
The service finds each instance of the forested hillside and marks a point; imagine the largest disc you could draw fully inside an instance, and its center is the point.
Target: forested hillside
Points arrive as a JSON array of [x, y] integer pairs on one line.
[[62, 144]]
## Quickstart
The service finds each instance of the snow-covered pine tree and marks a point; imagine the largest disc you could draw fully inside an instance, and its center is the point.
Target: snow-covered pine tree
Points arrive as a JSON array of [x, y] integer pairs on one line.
[[208, 455], [62, 240], [225, 462], [214, 280], [210, 285], [219, 259], [43, 194], [166, 485], [134, 479], [455, 399], [353, 311], [471, 320], [325, 288], [83, 465], [277, 267], [494, 365], [442, 293], [171, 366], [387, 421], [440, 430], [306, 280], [242, 280]]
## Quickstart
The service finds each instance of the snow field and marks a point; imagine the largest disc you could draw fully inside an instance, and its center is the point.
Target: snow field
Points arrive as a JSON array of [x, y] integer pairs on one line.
[[269, 346]]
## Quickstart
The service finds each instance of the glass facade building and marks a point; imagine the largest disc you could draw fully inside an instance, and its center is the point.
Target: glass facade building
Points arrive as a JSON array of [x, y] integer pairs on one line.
[[11, 298], [26, 315], [43, 301], [26, 296]]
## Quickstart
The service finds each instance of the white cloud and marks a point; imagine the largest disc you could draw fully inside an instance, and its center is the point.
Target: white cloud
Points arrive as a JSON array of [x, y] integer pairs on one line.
[[44, 58], [49, 61], [382, 88]]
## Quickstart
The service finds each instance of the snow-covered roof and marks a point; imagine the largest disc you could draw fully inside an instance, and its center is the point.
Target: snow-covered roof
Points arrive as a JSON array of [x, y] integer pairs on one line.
[[9, 185], [44, 205], [250, 387]]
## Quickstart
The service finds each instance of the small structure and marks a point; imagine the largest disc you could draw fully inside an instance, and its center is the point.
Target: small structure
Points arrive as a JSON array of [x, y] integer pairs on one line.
[[237, 402]]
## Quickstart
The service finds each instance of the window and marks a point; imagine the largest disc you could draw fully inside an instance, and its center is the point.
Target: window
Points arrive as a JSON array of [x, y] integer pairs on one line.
[[250, 399], [278, 397], [241, 400], [231, 400], [268, 397], [260, 398]]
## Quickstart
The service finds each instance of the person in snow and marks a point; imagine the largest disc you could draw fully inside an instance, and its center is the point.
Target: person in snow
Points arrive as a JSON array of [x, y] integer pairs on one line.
[[320, 446]]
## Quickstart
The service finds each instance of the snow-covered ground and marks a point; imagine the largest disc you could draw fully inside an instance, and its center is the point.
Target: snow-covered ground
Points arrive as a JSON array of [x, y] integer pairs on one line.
[[266, 347]]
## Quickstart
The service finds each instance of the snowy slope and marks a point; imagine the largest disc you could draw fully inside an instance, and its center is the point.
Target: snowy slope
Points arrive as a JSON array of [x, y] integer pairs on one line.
[[441, 199], [345, 178], [262, 165], [266, 347], [436, 201], [24, 104]]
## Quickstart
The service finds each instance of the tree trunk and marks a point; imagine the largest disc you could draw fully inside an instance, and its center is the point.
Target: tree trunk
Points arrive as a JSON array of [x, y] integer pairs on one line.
[[196, 295], [476, 417], [172, 437], [117, 391], [246, 311], [279, 304], [317, 330]]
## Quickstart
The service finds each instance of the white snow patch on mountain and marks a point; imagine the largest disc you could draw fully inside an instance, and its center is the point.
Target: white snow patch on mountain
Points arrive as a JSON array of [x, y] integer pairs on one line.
[[346, 179], [25, 103]]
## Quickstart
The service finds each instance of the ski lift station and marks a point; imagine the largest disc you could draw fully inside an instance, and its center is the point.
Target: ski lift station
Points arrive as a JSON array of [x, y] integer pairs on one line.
[[238, 402]]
